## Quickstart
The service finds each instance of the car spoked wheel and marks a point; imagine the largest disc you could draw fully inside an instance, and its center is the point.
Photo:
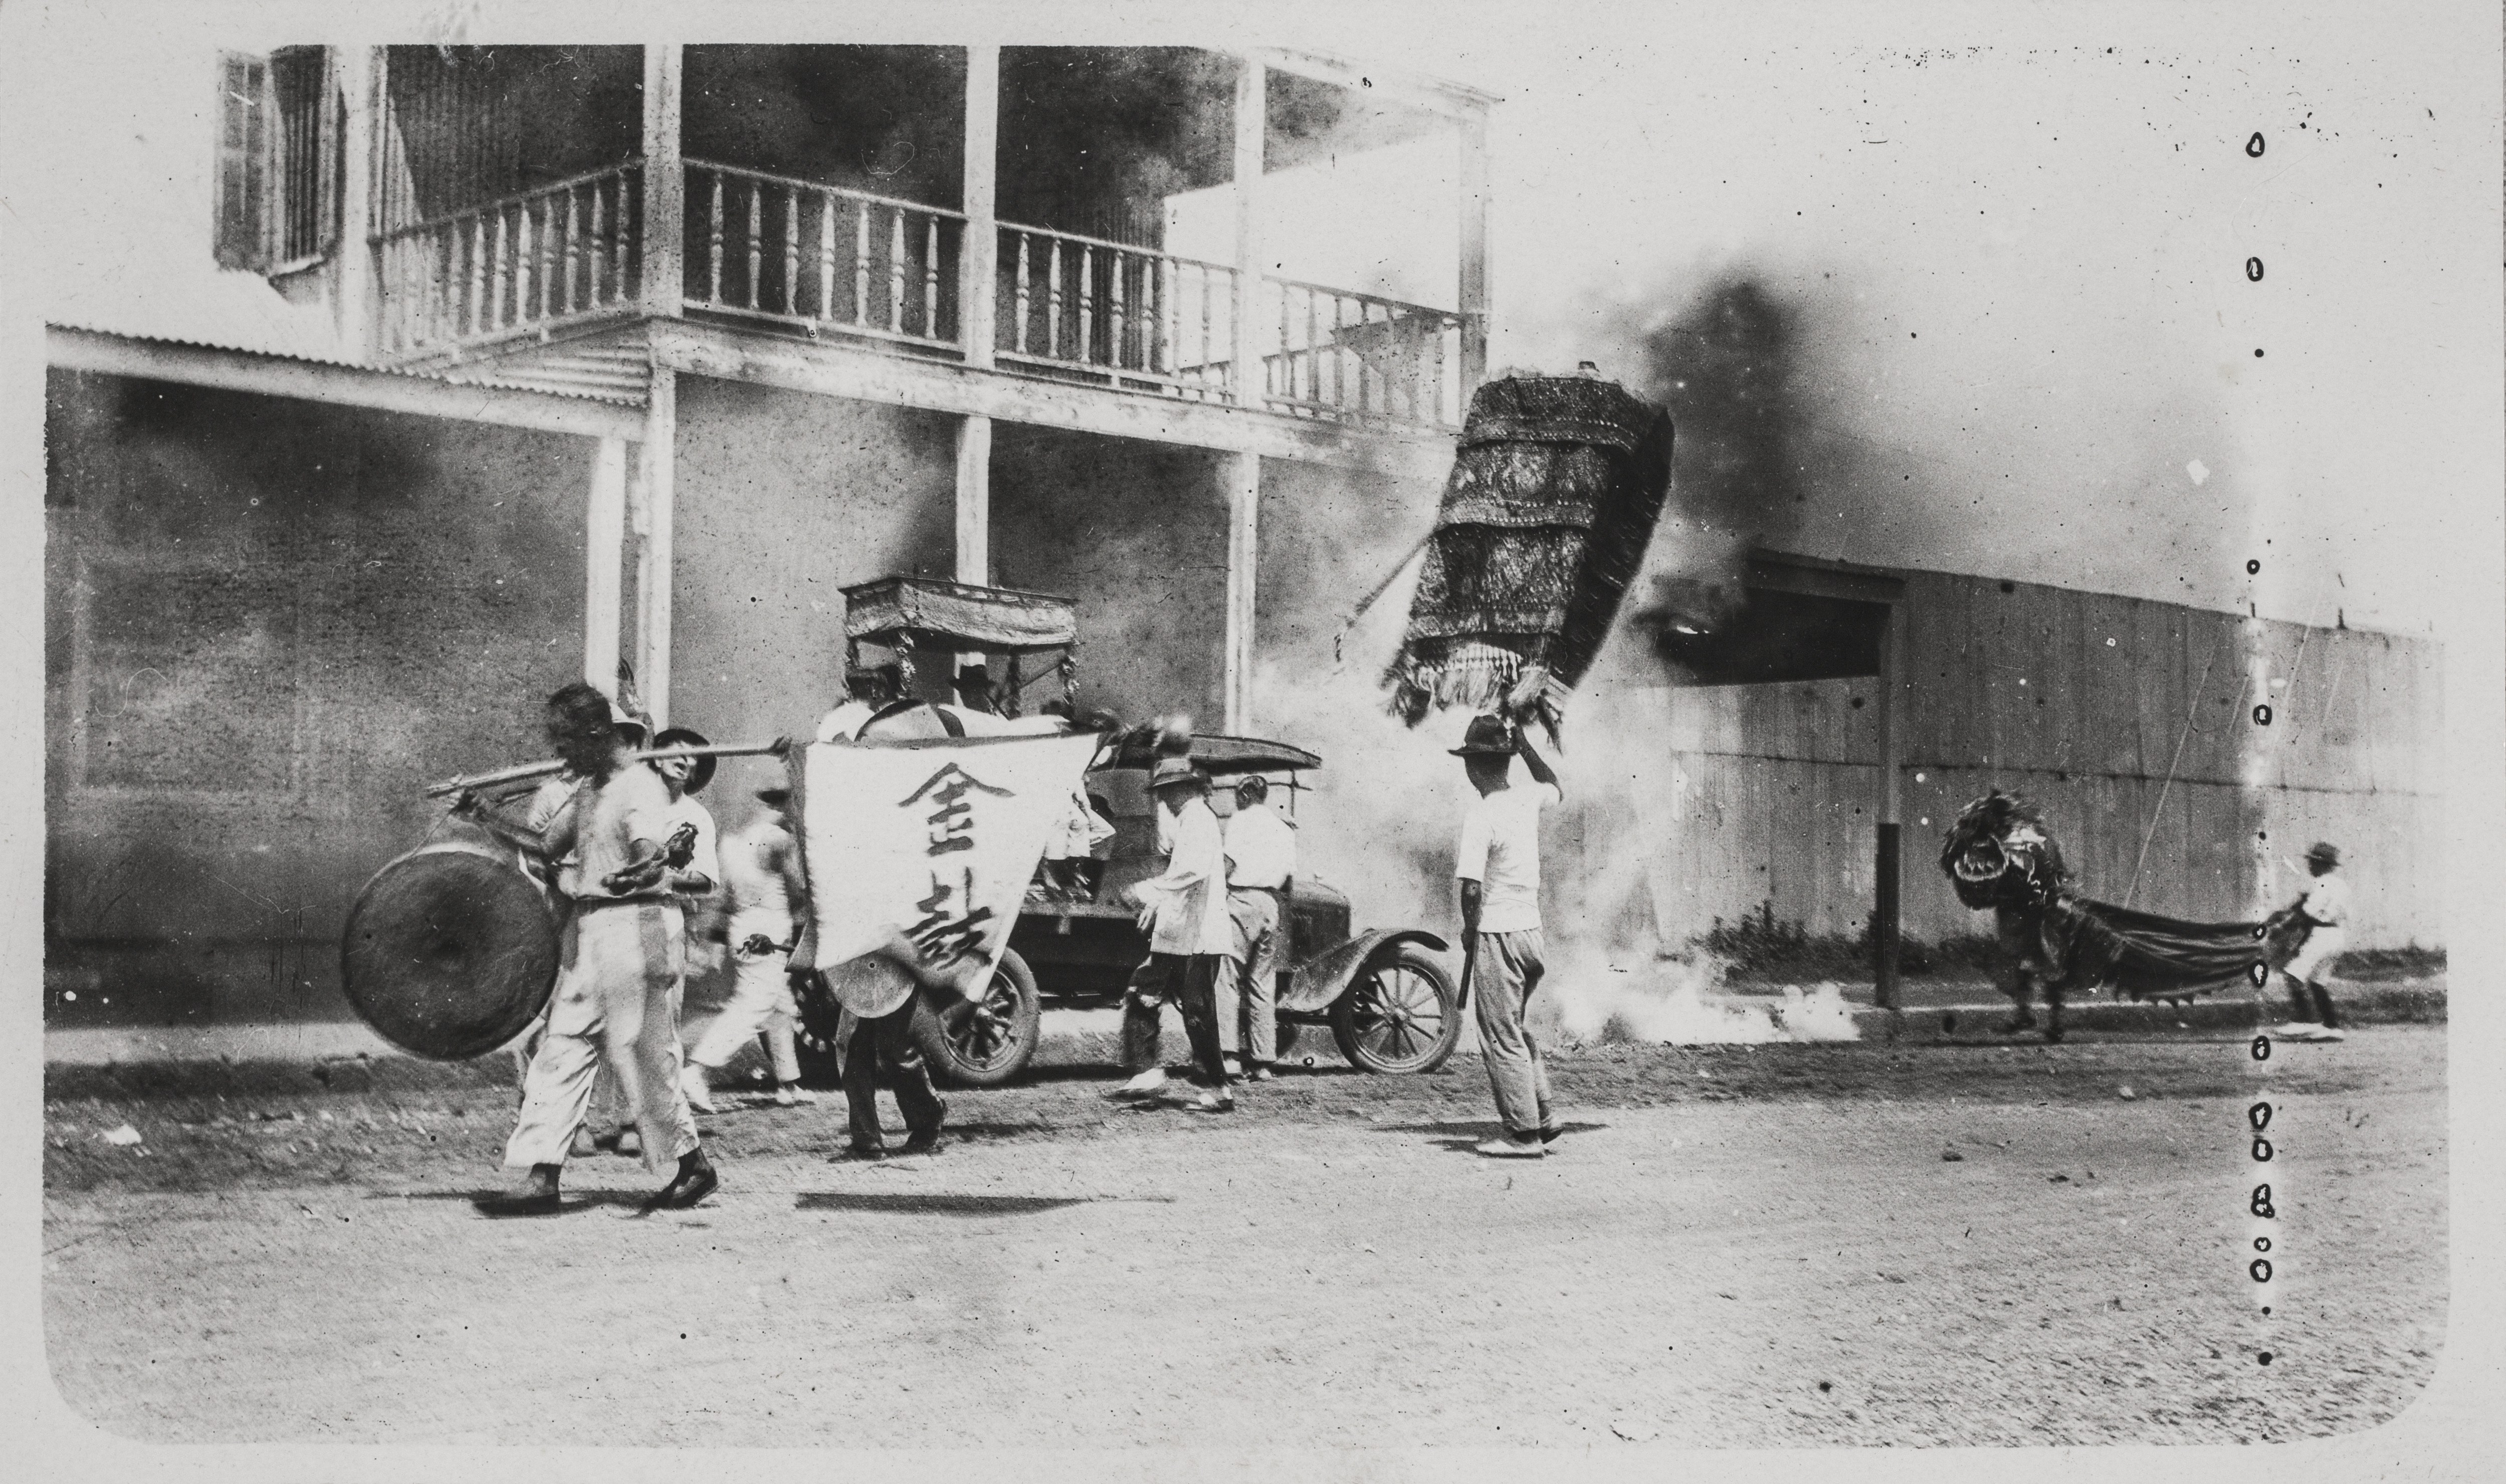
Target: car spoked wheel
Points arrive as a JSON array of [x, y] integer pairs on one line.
[[987, 1033], [1400, 1015], [988, 1044], [814, 1044]]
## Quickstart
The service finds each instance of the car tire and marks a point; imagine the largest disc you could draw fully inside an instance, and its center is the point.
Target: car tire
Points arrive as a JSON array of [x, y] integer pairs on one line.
[[813, 1037], [989, 1051], [1424, 1022]]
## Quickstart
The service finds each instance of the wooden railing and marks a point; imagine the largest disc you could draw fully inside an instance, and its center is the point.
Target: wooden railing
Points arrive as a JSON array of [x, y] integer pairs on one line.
[[828, 261], [1337, 354], [1131, 316], [820, 258], [520, 265]]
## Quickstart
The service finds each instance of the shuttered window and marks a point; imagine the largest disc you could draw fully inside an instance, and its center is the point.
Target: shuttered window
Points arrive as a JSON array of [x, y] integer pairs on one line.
[[243, 163], [278, 160]]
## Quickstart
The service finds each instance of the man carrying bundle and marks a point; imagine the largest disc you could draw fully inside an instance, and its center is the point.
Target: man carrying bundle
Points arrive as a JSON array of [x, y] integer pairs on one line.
[[623, 960], [1498, 869]]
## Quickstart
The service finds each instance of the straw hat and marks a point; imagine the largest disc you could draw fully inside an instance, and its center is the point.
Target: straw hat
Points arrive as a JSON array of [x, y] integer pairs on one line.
[[683, 737]]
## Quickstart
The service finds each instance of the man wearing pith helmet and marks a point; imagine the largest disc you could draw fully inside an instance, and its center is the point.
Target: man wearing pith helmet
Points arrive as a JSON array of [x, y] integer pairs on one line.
[[2324, 907], [1497, 866]]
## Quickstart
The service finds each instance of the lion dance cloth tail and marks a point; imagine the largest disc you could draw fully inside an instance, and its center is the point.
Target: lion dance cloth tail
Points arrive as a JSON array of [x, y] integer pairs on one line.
[[1545, 520], [2149, 957]]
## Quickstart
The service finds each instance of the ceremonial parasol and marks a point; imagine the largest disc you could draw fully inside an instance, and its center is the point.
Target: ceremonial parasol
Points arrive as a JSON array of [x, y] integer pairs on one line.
[[1544, 523]]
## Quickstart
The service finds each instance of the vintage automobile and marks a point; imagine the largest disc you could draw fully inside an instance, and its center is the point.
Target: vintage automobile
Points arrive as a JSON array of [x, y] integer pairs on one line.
[[1390, 1001]]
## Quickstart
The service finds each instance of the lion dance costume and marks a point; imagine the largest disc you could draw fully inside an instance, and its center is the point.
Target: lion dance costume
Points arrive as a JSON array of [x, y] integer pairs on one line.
[[1998, 856]]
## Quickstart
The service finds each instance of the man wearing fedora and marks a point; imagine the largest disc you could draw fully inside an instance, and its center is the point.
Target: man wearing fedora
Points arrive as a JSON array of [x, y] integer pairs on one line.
[[1184, 912], [2324, 907], [1497, 866], [761, 868]]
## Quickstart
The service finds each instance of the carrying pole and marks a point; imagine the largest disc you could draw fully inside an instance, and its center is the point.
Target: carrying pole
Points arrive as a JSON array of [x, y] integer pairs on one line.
[[523, 772]]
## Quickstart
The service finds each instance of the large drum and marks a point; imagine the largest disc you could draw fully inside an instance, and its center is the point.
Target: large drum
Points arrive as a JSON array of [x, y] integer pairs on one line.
[[450, 951]]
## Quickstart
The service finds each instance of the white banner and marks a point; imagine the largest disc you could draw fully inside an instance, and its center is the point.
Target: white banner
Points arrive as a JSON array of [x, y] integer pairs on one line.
[[933, 840]]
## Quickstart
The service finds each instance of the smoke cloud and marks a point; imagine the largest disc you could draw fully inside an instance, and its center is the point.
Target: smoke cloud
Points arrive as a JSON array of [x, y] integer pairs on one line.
[[1383, 811]]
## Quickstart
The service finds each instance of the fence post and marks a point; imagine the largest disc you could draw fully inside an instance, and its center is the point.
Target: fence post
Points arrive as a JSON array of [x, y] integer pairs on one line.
[[1887, 909]]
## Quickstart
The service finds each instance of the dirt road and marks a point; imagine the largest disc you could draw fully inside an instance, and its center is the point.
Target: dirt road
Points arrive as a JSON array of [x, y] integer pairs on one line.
[[1752, 1247]]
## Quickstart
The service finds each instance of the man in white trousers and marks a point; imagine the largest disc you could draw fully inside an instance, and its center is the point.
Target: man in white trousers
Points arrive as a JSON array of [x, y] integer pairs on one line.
[[619, 969], [2325, 906], [1497, 866], [761, 868], [1261, 864]]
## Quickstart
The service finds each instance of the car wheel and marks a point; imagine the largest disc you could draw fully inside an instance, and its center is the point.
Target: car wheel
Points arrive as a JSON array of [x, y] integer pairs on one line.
[[813, 1037], [993, 1042], [1401, 1013]]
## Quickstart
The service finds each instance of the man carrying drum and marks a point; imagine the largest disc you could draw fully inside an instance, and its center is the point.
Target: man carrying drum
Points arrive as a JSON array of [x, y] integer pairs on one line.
[[621, 967]]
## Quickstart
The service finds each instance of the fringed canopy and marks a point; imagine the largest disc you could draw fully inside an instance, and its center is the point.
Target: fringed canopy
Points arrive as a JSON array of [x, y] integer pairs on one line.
[[1545, 520]]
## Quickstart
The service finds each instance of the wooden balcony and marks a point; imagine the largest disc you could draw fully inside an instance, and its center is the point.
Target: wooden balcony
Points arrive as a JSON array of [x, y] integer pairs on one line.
[[790, 257]]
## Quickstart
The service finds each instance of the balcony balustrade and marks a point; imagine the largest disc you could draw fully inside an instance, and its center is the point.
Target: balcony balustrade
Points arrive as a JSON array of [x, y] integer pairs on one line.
[[835, 263], [523, 265]]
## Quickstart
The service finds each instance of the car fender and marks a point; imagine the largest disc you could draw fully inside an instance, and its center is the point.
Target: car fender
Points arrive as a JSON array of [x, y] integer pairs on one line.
[[1322, 978]]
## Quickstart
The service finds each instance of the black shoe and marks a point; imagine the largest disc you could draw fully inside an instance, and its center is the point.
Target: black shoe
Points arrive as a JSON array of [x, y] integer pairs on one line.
[[1550, 1135], [922, 1141], [529, 1203], [864, 1151], [693, 1184]]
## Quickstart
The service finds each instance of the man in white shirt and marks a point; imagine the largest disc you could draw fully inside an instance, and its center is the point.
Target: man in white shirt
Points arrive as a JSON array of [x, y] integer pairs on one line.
[[2325, 906], [1261, 864], [618, 986], [1498, 869], [1184, 912], [760, 870]]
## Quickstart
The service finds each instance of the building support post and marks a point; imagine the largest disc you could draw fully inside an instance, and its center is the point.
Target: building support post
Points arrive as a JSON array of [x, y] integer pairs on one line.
[[665, 182], [604, 549], [979, 258], [975, 499], [1252, 83], [1473, 291], [657, 474], [1886, 910], [359, 124], [1243, 551]]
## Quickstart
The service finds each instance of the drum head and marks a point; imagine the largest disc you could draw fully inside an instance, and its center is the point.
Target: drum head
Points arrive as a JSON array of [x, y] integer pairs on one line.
[[450, 952]]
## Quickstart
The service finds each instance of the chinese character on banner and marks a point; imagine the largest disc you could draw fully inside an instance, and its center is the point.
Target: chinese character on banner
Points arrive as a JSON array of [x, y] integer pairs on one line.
[[935, 842]]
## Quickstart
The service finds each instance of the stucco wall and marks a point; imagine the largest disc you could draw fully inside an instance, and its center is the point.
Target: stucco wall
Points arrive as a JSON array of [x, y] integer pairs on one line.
[[1135, 535], [784, 498], [267, 623]]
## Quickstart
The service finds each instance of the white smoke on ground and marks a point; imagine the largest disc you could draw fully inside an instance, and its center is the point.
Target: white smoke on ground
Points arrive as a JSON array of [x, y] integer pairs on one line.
[[1604, 998]]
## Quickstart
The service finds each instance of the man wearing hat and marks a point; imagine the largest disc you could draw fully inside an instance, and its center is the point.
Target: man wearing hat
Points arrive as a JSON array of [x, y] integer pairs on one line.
[[1261, 864], [760, 867], [2324, 907], [621, 968], [1498, 869], [974, 689], [1184, 912]]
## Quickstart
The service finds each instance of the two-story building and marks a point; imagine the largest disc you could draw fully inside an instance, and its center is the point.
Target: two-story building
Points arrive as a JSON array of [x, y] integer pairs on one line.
[[586, 354]]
